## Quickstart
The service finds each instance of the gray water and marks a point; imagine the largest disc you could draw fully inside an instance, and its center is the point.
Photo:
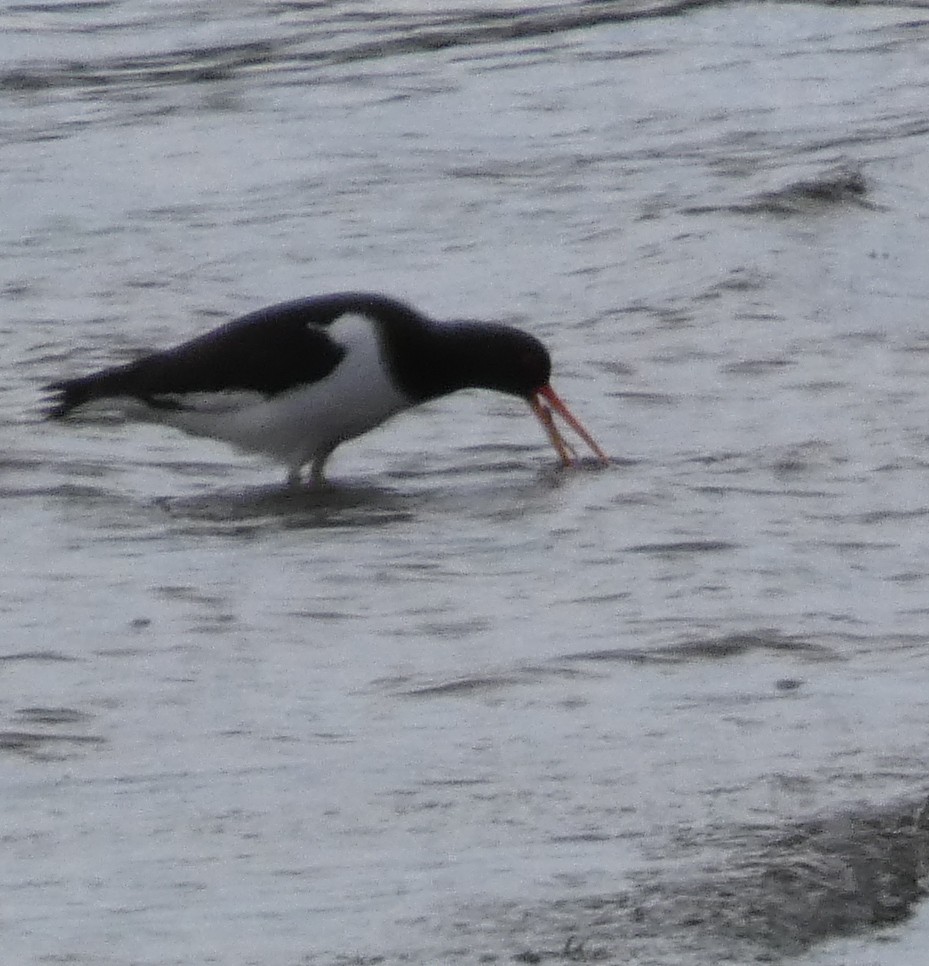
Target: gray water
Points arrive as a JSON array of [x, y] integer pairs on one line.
[[465, 706]]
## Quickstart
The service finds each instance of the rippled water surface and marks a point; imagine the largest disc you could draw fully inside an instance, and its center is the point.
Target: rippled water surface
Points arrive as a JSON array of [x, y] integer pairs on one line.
[[462, 705]]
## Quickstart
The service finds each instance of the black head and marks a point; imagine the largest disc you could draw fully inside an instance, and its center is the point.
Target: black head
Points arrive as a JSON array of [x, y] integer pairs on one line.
[[441, 358], [500, 357]]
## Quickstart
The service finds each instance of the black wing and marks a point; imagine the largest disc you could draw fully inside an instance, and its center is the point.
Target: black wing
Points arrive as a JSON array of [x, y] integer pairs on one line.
[[268, 351]]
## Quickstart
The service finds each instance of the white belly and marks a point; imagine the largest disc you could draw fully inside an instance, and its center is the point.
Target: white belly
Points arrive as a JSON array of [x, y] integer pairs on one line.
[[307, 422]]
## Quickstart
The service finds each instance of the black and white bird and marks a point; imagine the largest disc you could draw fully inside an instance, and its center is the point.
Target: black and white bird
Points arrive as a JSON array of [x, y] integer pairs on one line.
[[295, 380]]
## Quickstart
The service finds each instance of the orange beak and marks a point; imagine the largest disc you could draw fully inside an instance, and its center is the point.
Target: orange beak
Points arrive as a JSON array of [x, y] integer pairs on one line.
[[543, 413]]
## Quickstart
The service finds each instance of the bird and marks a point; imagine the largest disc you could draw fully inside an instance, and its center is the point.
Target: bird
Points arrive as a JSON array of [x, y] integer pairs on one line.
[[294, 380]]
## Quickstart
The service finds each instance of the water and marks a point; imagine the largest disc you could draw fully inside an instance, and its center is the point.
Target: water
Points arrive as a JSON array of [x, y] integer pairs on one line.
[[465, 706]]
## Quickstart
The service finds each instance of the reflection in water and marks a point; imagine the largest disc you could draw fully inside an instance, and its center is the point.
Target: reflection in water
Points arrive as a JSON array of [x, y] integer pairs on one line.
[[331, 505]]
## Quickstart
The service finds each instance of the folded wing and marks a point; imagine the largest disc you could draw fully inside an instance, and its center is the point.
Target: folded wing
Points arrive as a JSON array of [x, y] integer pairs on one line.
[[267, 352]]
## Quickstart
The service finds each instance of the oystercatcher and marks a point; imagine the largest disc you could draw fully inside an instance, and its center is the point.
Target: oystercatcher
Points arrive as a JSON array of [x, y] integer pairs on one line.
[[294, 380]]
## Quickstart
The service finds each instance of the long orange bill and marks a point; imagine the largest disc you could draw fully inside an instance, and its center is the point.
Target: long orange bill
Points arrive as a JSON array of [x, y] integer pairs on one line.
[[562, 446]]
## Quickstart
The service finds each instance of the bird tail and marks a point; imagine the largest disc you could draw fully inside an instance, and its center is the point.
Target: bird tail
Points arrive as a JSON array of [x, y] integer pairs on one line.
[[69, 394]]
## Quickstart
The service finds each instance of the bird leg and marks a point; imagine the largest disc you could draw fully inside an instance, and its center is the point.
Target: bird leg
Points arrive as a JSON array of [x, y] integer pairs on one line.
[[317, 476]]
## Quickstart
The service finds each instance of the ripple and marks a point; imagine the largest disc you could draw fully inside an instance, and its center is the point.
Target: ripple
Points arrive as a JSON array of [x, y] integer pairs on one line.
[[776, 894], [683, 547]]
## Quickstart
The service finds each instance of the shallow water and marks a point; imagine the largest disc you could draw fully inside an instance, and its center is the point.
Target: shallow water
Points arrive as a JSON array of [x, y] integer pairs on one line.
[[463, 705]]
